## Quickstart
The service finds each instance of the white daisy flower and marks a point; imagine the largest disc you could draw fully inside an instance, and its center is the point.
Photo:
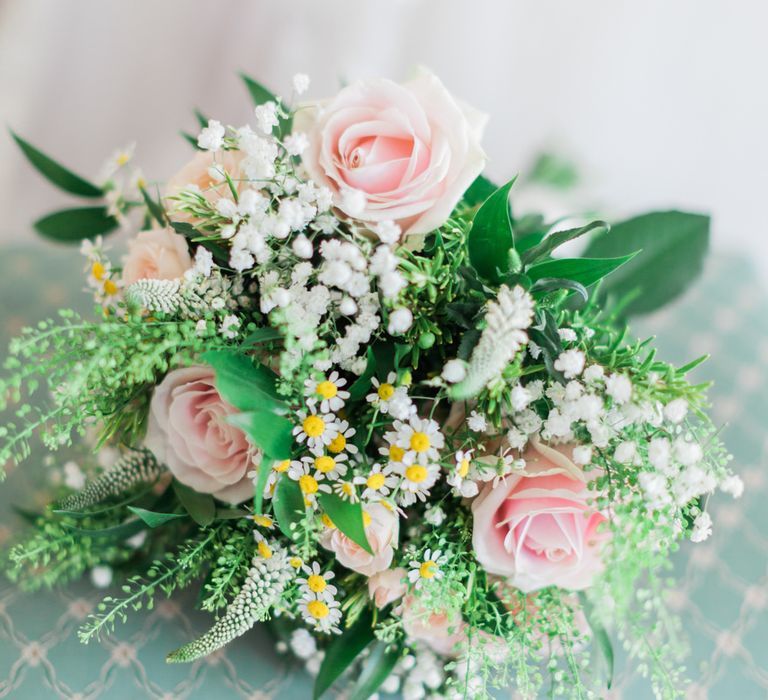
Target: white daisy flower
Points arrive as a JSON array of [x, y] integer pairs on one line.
[[461, 475], [316, 583], [379, 482], [420, 438], [384, 392], [328, 392], [329, 466], [309, 483], [417, 480], [345, 490], [393, 452], [425, 569], [318, 430], [323, 616], [278, 468], [342, 440]]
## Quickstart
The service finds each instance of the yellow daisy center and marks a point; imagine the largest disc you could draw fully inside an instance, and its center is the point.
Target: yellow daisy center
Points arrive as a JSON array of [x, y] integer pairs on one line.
[[463, 468], [420, 442], [327, 389], [295, 562], [428, 569], [375, 481], [326, 520], [396, 453], [98, 271], [282, 466], [317, 609], [386, 391], [316, 583], [313, 426], [308, 484], [347, 489], [325, 464], [416, 473], [263, 520], [110, 288], [367, 519], [337, 444], [264, 550]]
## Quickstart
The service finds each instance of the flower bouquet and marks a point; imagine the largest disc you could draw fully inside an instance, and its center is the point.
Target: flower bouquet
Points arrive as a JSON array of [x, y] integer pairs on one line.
[[340, 386]]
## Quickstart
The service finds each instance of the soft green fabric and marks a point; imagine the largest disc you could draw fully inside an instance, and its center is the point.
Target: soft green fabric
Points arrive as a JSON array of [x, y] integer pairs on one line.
[[723, 583]]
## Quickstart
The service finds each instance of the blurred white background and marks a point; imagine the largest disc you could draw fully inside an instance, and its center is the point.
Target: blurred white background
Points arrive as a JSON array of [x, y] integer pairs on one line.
[[659, 103]]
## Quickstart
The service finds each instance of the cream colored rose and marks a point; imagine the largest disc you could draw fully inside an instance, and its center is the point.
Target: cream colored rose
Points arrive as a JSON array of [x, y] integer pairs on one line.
[[382, 531], [407, 151], [158, 254], [387, 586]]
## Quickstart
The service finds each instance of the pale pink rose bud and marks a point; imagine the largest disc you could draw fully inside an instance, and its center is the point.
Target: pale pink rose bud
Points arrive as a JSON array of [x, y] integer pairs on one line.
[[410, 149], [158, 254], [188, 432], [441, 631], [387, 586]]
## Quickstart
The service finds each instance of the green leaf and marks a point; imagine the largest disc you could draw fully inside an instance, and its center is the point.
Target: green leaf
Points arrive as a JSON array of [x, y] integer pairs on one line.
[[260, 95], [57, 174], [155, 208], [600, 635], [220, 254], [265, 469], [202, 120], [288, 506], [200, 506], [154, 519], [480, 189], [191, 140], [117, 532], [244, 384], [268, 431], [673, 244], [553, 240], [346, 516], [585, 271], [376, 669], [231, 513], [342, 652], [359, 388], [490, 238], [261, 335], [73, 225]]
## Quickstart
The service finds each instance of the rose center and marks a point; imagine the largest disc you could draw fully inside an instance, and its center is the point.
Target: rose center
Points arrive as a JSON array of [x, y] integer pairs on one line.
[[416, 473]]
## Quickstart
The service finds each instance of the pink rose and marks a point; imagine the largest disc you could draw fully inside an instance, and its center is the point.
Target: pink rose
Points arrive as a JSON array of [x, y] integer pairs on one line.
[[443, 632], [387, 586], [411, 149], [158, 254], [382, 531], [537, 529], [189, 433], [199, 173]]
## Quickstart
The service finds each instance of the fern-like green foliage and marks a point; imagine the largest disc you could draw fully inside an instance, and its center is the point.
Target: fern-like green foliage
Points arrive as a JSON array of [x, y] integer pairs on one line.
[[262, 590], [134, 468]]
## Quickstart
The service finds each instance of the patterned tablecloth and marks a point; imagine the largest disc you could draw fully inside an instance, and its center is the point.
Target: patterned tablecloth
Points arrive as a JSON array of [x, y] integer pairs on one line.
[[723, 583]]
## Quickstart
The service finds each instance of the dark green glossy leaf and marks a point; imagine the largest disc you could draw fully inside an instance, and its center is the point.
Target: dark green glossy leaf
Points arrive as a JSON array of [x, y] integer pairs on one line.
[[73, 225], [154, 519], [360, 386], [231, 513], [480, 189], [219, 252], [270, 432], [246, 385], [155, 208], [342, 652], [544, 249], [191, 140], [585, 271], [55, 173], [260, 95], [288, 505], [673, 245], [117, 532], [346, 516], [200, 506], [376, 670], [490, 238]]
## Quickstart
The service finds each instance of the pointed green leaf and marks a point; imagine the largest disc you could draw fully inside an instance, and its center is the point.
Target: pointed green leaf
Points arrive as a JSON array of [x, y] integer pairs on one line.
[[360, 386], [543, 249], [288, 505], [346, 516], [585, 271], [268, 431], [154, 208], [154, 519], [480, 189], [200, 506], [260, 95], [490, 238], [261, 335], [376, 670], [600, 636], [674, 245], [342, 652], [73, 225], [55, 173]]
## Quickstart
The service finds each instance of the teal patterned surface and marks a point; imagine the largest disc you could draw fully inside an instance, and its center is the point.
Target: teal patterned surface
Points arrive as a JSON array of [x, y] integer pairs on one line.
[[723, 583]]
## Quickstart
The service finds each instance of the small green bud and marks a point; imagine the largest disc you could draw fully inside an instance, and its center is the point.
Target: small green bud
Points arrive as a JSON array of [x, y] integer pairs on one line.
[[426, 340]]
